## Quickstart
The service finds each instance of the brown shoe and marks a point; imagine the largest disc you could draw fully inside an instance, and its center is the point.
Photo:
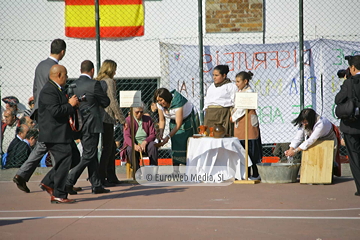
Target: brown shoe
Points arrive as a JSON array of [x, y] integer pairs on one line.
[[61, 200], [48, 189], [21, 183]]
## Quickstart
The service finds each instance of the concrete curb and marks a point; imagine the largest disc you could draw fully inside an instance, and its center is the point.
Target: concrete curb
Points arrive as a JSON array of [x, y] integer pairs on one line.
[[8, 174]]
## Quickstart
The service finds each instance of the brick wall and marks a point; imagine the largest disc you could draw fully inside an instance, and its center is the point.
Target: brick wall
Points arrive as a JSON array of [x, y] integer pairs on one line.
[[234, 16]]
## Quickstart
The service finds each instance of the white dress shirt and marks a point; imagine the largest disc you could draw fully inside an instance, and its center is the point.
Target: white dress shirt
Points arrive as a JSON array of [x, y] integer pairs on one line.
[[57, 61], [321, 128], [84, 74]]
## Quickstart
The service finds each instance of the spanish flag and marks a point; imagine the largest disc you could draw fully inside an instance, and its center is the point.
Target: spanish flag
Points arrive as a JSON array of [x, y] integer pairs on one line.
[[118, 18]]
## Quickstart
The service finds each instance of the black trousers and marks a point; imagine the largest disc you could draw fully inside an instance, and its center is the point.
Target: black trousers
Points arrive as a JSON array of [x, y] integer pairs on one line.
[[107, 160], [88, 159], [150, 150], [352, 143], [49, 179], [56, 177]]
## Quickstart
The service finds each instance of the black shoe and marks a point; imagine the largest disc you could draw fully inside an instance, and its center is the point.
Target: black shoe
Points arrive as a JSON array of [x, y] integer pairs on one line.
[[99, 190], [106, 183], [116, 181], [357, 194], [70, 190], [21, 183], [78, 189], [336, 170]]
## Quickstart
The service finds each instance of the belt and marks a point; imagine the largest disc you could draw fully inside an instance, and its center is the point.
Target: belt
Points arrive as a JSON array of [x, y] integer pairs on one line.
[[216, 106]]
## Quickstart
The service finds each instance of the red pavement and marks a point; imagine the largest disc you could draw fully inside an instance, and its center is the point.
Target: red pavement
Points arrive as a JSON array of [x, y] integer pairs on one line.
[[237, 211]]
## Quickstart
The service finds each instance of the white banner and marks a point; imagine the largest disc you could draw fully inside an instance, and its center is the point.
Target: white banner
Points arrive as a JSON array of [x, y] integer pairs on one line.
[[276, 77]]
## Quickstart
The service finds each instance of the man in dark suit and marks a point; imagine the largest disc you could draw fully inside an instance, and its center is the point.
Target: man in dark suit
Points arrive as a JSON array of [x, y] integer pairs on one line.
[[57, 52], [55, 132], [11, 161], [22, 149], [351, 127], [96, 98]]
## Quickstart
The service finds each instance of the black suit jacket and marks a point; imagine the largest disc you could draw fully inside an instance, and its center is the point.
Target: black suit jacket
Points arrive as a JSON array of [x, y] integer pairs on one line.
[[346, 91], [18, 152], [10, 150], [96, 98], [54, 112]]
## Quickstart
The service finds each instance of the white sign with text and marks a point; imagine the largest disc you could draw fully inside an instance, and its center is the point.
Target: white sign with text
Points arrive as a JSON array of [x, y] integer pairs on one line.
[[130, 99], [246, 100]]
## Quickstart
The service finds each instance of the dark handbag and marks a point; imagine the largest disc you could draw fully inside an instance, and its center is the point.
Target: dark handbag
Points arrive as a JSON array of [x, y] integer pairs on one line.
[[76, 121], [346, 110]]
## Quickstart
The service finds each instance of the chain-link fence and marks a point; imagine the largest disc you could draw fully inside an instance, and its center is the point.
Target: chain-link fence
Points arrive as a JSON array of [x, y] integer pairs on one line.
[[156, 44]]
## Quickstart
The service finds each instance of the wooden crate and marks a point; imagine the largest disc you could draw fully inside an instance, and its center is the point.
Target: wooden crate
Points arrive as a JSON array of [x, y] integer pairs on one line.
[[317, 163]]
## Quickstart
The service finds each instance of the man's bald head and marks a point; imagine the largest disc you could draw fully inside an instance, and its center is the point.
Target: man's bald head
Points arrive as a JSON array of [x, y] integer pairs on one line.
[[58, 74]]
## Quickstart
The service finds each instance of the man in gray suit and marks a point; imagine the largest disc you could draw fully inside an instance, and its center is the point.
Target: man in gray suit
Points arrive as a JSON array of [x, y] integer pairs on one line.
[[57, 52], [96, 98]]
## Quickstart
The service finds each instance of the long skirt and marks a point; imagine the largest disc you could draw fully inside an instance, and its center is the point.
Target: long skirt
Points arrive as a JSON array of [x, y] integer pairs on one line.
[[180, 139], [255, 152], [219, 115]]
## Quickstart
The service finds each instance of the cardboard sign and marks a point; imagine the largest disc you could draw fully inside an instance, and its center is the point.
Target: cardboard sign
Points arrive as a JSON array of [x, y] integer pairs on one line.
[[246, 100], [130, 99]]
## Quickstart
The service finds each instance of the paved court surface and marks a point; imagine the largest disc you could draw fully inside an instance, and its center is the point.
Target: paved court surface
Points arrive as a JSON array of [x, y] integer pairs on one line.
[[237, 211]]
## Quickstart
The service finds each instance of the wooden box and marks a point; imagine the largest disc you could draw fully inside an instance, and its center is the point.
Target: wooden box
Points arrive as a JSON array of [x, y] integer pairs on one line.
[[317, 163]]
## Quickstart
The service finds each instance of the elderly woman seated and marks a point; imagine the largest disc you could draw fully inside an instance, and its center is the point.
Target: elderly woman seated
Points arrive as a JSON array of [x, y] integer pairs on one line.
[[145, 135]]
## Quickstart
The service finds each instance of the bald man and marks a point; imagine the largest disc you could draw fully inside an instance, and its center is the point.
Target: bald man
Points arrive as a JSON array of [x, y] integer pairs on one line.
[[55, 132]]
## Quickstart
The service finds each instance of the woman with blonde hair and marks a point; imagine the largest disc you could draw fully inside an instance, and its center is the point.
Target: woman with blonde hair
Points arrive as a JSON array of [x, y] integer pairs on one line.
[[112, 113]]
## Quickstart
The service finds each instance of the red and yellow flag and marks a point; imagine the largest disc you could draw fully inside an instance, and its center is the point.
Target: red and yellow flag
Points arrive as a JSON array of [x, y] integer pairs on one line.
[[118, 18]]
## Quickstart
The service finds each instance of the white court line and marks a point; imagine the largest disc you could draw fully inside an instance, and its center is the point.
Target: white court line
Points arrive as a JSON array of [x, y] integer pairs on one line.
[[184, 210], [38, 181], [188, 217]]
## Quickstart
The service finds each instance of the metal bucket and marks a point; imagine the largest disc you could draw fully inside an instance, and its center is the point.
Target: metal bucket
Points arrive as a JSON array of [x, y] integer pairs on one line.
[[278, 172]]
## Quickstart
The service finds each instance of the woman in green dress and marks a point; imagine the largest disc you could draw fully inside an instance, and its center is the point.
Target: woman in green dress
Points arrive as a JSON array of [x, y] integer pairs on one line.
[[183, 122]]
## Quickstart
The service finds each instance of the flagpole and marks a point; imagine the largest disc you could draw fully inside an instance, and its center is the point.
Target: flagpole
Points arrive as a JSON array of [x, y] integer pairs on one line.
[[97, 29], [201, 64]]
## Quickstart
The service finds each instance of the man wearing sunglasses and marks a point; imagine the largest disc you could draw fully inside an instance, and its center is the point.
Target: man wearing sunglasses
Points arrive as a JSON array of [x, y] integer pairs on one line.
[[145, 135]]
